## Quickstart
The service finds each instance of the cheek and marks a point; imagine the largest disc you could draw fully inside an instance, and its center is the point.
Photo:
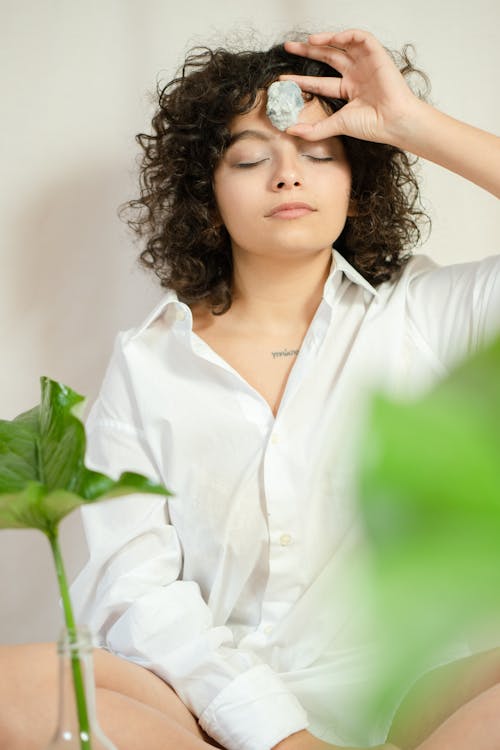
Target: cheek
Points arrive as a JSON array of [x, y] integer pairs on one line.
[[342, 178], [235, 201], [224, 197], [339, 186], [229, 209]]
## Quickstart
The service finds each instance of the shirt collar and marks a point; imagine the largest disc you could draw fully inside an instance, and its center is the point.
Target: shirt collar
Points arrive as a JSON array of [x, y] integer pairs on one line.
[[170, 298], [339, 266]]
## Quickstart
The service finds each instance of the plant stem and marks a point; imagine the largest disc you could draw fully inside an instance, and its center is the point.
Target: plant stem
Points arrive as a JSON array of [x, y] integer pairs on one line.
[[80, 697]]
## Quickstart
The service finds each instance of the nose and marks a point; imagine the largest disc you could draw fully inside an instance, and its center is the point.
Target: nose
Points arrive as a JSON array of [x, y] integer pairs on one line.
[[287, 174]]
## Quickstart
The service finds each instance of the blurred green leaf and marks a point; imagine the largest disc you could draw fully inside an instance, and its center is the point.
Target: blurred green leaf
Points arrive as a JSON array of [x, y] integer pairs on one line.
[[430, 497], [42, 471]]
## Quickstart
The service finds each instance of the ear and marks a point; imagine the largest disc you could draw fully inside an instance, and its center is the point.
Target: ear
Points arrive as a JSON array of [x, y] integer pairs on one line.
[[216, 217], [352, 208]]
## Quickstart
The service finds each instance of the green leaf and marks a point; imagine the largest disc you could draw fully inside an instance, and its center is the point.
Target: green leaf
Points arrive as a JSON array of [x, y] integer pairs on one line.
[[430, 497], [43, 476], [18, 451]]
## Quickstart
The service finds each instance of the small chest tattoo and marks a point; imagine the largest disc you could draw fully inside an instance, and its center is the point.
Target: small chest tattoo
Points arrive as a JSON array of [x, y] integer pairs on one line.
[[285, 353]]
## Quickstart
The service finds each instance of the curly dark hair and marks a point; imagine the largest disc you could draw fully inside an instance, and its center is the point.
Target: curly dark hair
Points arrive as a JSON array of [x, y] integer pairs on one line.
[[187, 247]]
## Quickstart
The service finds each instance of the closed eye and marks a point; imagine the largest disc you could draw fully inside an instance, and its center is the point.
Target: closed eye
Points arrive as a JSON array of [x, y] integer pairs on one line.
[[248, 164], [319, 158]]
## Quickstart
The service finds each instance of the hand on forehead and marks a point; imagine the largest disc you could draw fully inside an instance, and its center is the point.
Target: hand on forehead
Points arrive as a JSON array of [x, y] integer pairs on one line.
[[278, 115]]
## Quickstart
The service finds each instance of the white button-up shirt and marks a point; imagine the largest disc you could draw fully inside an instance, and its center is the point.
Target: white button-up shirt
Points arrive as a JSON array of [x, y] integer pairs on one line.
[[233, 590]]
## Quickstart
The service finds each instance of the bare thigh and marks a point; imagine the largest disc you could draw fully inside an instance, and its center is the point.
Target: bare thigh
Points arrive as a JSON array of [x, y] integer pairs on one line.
[[474, 726], [114, 673], [29, 684], [440, 693]]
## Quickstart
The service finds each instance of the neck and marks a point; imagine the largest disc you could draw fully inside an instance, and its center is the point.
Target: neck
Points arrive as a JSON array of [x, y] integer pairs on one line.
[[279, 294]]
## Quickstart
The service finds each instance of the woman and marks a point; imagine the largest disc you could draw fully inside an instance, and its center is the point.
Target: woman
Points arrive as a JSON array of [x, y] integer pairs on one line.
[[213, 609]]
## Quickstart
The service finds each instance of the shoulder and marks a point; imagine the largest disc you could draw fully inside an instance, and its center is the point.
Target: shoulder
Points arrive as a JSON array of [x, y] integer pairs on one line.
[[455, 308], [422, 276], [138, 351]]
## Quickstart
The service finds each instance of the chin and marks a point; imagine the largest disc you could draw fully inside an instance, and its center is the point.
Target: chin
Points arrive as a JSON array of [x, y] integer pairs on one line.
[[295, 252]]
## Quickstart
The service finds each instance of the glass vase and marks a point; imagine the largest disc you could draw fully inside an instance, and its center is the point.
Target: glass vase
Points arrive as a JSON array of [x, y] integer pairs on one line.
[[77, 725]]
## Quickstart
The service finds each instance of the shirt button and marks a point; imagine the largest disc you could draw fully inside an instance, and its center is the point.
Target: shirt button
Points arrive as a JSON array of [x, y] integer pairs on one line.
[[180, 314], [285, 540], [275, 438], [268, 629]]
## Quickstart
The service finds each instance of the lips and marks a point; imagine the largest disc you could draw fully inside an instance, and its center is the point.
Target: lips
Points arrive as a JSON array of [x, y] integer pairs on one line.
[[291, 210]]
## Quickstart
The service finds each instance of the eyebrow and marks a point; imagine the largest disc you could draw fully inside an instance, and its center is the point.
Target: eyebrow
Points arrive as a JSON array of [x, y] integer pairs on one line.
[[261, 135], [244, 134]]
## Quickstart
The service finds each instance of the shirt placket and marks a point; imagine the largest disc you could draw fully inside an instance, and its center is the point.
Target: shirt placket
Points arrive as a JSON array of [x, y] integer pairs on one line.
[[286, 542]]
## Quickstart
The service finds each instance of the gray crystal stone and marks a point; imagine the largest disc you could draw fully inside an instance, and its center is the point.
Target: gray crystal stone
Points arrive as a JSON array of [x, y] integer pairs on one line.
[[284, 102]]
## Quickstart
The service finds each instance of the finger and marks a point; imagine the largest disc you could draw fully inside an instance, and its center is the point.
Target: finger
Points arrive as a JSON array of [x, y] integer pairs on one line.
[[336, 58], [351, 41], [325, 38], [331, 87], [317, 131]]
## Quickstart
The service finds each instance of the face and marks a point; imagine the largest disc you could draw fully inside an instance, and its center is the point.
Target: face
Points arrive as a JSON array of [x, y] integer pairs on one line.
[[279, 195]]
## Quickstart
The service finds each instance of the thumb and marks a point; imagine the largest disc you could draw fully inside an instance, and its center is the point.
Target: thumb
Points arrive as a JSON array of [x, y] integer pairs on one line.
[[316, 131]]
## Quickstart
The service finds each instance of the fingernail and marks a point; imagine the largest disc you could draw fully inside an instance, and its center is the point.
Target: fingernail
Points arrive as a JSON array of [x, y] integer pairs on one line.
[[299, 129]]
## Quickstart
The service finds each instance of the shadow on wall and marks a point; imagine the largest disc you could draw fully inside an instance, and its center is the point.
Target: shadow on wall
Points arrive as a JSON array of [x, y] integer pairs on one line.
[[75, 282], [73, 285], [28, 585]]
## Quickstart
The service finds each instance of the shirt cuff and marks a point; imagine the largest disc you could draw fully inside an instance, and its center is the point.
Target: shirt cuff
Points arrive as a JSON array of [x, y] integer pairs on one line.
[[254, 712]]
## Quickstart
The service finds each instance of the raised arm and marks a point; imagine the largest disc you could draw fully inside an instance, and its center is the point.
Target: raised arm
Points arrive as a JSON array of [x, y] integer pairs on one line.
[[382, 108]]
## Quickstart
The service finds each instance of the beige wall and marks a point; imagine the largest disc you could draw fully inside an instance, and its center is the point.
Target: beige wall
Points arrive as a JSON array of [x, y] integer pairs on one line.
[[74, 77]]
